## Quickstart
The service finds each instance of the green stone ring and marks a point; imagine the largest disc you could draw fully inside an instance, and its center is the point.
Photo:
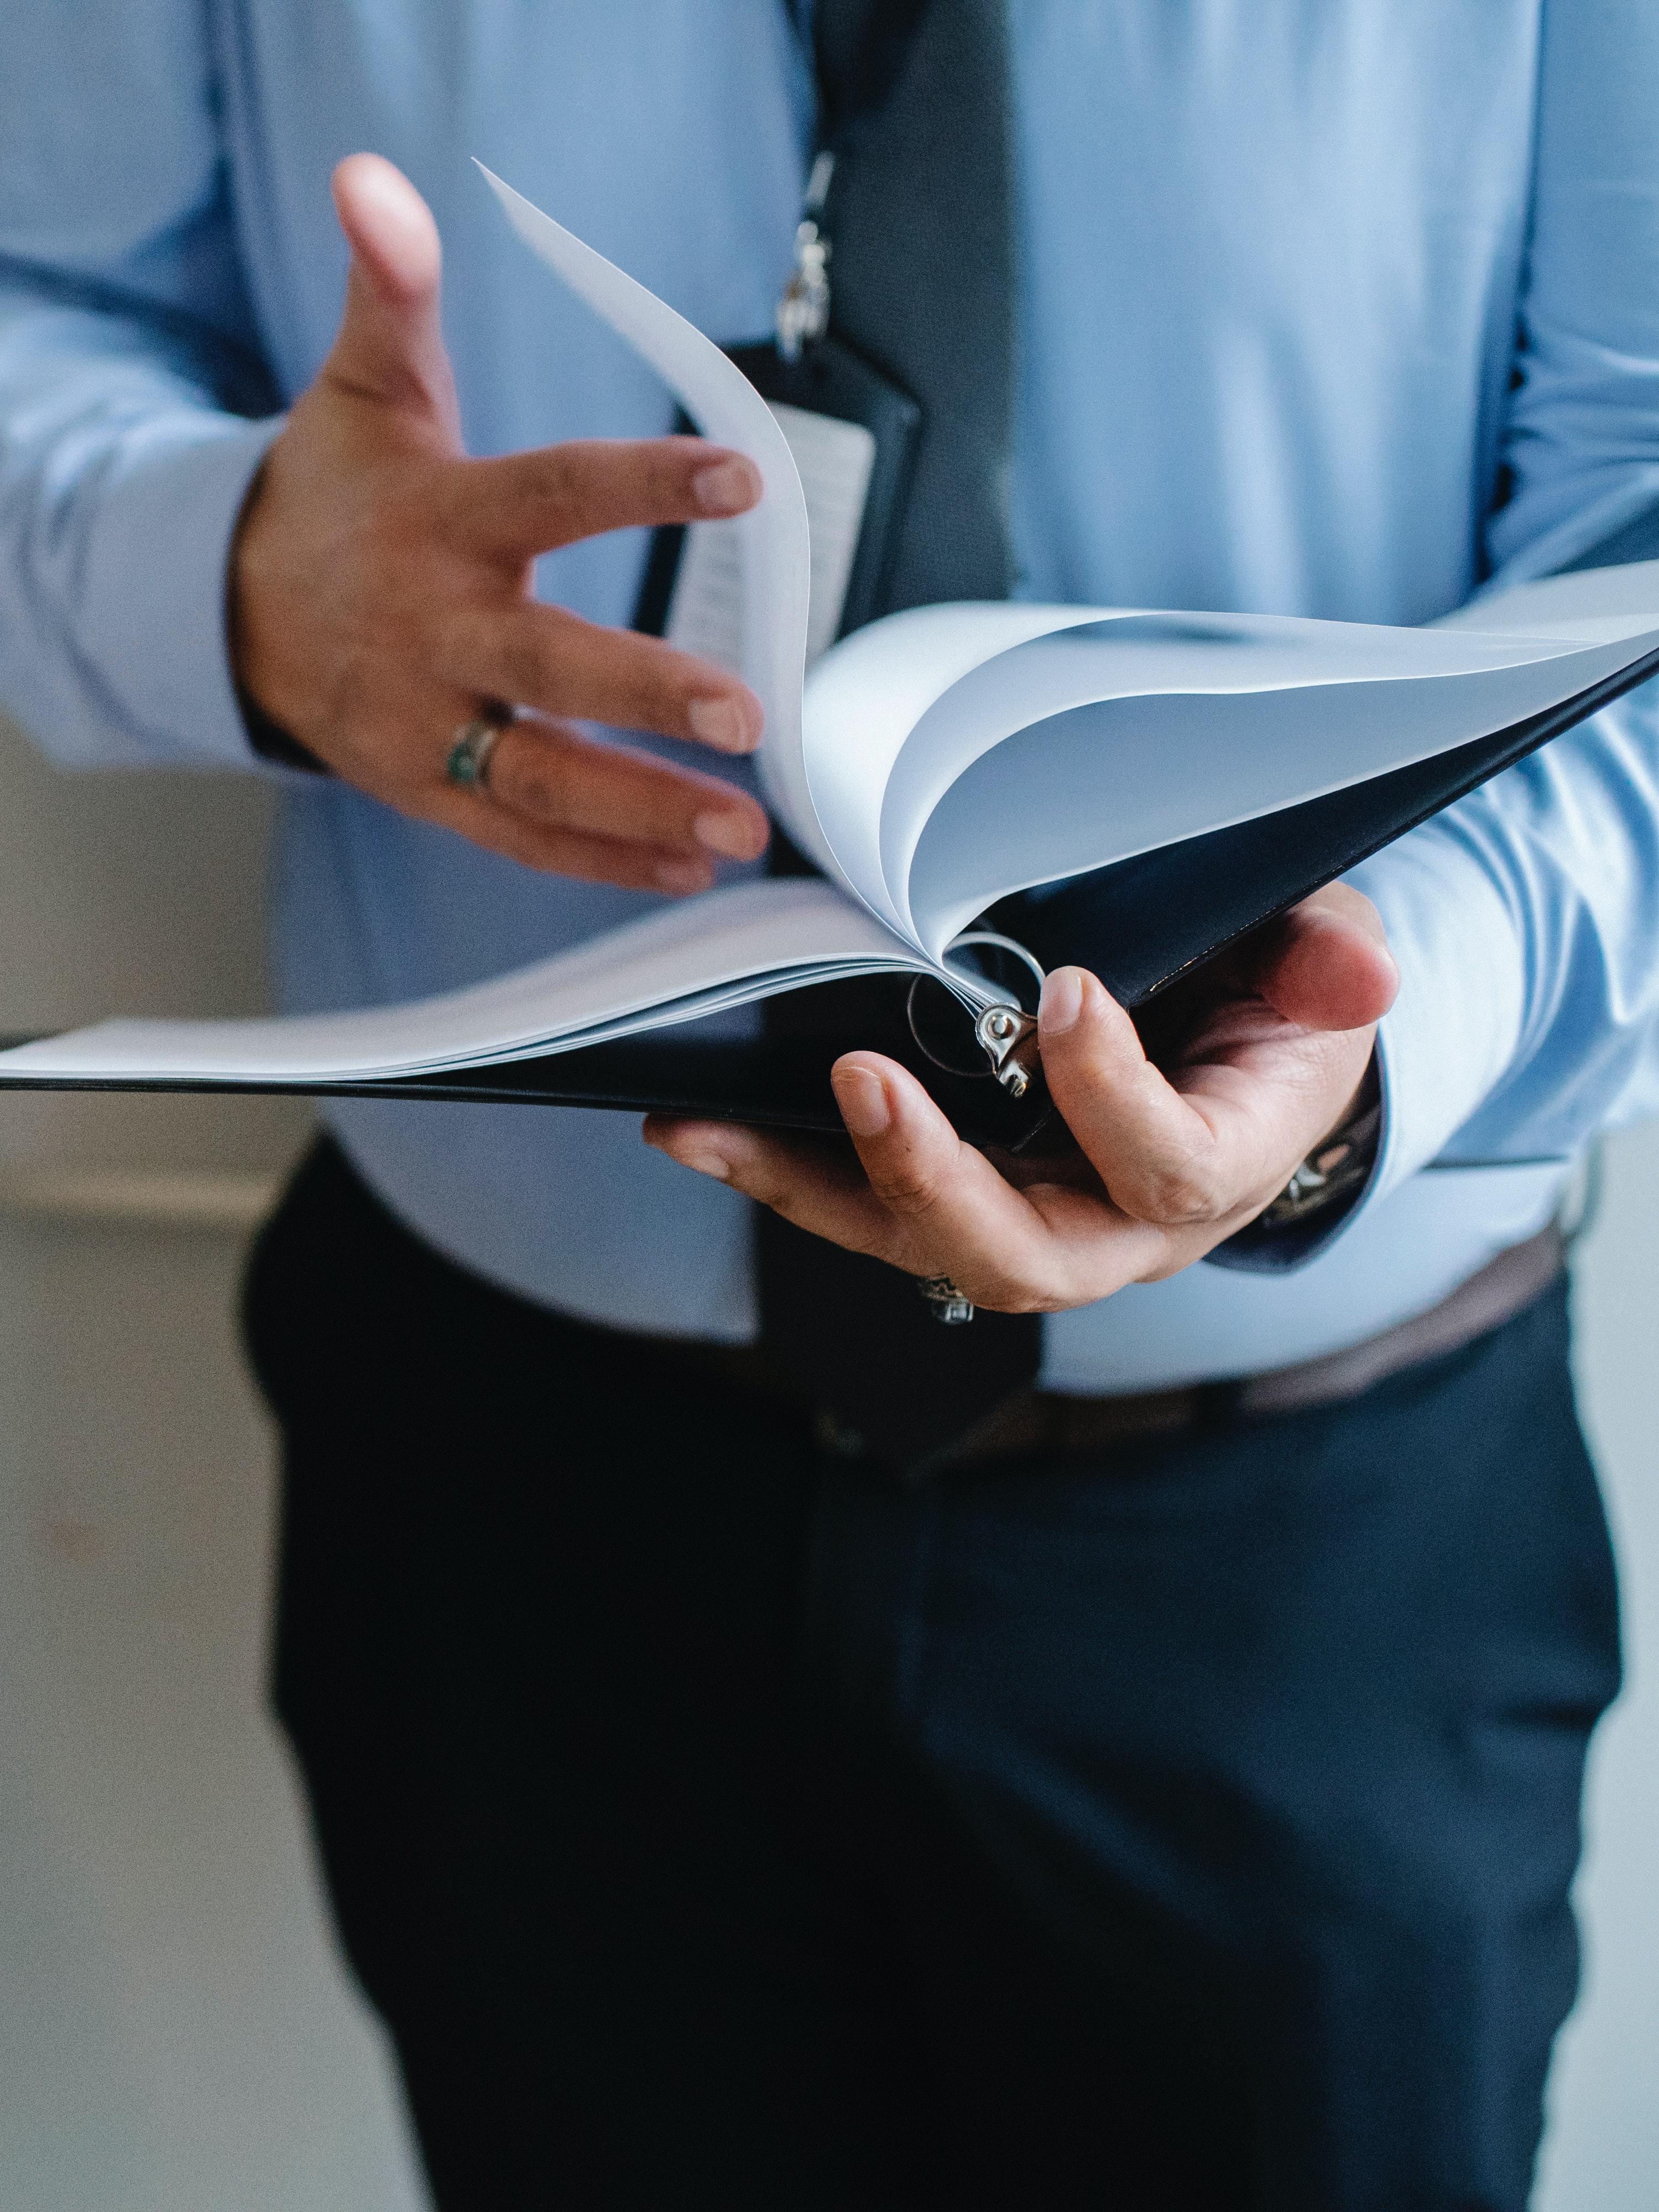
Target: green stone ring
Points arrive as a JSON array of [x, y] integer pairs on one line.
[[469, 757]]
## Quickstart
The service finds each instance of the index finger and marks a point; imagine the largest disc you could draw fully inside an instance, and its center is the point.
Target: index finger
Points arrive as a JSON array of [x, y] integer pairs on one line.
[[520, 504]]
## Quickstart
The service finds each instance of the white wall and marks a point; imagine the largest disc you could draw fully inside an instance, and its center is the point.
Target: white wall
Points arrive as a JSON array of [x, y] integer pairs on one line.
[[176, 2034], [176, 2031]]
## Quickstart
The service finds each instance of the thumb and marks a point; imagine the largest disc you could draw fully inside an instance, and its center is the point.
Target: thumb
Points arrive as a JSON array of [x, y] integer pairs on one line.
[[389, 345]]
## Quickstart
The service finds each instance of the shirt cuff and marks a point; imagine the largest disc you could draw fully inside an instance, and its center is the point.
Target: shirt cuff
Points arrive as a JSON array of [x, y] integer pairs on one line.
[[1267, 1247], [151, 620], [1454, 1029], [1446, 1043]]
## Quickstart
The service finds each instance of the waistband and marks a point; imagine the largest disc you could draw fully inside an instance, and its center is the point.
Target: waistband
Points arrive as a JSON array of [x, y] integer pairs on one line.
[[1050, 1421]]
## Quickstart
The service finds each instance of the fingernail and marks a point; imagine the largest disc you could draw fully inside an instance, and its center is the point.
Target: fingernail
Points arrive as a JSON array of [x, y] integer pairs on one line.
[[708, 1163], [733, 836], [720, 722], [725, 487], [682, 876], [1061, 1002], [862, 1098]]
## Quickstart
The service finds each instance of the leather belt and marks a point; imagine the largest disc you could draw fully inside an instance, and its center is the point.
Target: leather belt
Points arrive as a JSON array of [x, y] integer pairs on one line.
[[1049, 1421]]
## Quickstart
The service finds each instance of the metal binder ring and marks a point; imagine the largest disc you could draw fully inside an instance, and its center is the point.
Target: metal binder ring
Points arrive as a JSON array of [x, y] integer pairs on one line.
[[1003, 944], [968, 937]]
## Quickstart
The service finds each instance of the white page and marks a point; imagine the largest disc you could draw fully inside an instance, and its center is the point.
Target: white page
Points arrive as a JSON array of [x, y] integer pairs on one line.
[[724, 949], [909, 706], [726, 408], [834, 459], [865, 698], [1132, 773], [1124, 654]]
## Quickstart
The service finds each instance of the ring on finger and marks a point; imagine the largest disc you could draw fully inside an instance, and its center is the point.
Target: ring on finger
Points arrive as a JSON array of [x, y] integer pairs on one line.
[[468, 763]]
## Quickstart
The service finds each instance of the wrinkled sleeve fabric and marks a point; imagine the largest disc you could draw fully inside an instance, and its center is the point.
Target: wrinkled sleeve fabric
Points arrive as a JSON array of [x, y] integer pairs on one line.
[[1526, 918], [129, 371]]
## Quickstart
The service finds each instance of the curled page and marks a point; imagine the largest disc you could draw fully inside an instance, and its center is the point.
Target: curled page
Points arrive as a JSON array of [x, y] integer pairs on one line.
[[1013, 746], [866, 698], [1136, 732], [725, 407]]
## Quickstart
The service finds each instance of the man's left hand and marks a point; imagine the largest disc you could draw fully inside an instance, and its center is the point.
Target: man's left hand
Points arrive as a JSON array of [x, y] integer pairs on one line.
[[1186, 1127]]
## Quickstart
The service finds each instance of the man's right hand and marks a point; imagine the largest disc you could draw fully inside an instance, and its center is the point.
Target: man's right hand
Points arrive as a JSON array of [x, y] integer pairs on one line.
[[380, 595]]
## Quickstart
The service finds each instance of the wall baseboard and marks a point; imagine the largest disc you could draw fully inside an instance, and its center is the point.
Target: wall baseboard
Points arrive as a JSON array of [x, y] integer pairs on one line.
[[227, 1201]]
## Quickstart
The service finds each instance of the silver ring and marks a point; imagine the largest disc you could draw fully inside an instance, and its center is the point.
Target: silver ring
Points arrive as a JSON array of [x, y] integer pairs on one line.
[[950, 1304], [468, 756]]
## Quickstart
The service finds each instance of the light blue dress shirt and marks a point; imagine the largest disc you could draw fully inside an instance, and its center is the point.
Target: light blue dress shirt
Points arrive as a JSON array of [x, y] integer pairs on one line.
[[1342, 308]]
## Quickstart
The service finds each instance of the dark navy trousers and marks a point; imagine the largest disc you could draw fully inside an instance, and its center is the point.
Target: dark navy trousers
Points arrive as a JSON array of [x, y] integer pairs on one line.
[[717, 1825]]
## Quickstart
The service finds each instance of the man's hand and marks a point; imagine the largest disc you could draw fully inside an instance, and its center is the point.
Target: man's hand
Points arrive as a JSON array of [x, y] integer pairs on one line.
[[1263, 1056], [380, 595]]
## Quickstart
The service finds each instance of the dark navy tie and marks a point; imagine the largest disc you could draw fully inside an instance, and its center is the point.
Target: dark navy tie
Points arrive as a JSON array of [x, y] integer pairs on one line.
[[920, 219]]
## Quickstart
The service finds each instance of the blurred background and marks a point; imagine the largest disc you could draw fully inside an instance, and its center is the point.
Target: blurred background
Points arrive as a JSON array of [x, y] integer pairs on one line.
[[177, 2034]]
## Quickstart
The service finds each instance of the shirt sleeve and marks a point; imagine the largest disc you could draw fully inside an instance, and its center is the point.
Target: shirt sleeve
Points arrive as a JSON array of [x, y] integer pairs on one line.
[[1526, 918], [130, 369]]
